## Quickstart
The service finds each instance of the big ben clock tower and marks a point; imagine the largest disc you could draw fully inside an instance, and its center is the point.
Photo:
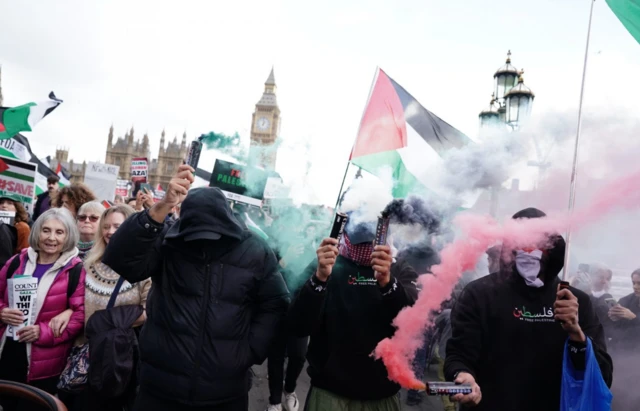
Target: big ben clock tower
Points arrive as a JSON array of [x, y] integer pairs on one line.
[[265, 125]]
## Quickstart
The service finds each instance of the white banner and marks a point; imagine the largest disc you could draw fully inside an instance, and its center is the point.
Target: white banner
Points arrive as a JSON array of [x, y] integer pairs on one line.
[[102, 179]]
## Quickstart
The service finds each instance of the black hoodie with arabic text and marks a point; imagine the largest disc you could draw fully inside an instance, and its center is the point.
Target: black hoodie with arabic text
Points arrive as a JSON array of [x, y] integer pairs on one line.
[[505, 335]]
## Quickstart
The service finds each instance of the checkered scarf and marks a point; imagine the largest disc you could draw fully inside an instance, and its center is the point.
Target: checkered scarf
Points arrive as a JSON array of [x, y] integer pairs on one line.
[[358, 253]]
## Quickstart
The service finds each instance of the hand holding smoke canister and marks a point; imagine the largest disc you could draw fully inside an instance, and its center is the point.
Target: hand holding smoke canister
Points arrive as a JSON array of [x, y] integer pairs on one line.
[[381, 259], [193, 155], [381, 231], [447, 388], [339, 223]]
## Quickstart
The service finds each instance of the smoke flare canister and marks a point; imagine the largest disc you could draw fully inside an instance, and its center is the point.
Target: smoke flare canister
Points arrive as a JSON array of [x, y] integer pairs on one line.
[[447, 388], [193, 155], [338, 226], [564, 285], [381, 231]]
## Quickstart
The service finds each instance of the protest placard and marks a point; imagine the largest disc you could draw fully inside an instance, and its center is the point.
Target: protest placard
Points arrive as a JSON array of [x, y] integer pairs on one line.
[[22, 291], [122, 188], [139, 169], [158, 193], [7, 217], [239, 183], [101, 178], [18, 178]]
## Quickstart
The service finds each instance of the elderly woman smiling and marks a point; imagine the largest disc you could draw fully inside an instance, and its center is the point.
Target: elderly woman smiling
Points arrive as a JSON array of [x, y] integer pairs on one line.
[[38, 357]]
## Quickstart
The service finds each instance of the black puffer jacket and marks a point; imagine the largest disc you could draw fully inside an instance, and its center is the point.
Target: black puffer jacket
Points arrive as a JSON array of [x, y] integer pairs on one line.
[[214, 305]]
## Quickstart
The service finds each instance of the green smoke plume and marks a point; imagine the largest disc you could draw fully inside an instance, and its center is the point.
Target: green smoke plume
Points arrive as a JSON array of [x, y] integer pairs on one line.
[[229, 145]]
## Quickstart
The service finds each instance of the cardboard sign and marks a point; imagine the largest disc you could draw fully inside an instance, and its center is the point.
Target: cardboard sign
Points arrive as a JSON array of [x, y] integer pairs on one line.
[[7, 217], [239, 183], [18, 178], [139, 169], [101, 178], [122, 188], [22, 291]]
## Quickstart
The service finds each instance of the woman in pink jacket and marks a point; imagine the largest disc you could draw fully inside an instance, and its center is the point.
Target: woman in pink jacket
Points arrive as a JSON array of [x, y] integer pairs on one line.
[[36, 356]]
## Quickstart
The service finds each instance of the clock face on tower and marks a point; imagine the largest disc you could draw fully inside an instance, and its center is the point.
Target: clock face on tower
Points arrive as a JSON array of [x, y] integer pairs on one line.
[[263, 124]]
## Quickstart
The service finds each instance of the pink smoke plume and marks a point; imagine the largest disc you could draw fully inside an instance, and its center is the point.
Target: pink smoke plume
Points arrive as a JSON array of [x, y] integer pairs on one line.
[[478, 234]]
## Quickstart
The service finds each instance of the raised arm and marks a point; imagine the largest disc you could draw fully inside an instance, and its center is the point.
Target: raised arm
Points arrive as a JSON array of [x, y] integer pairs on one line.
[[134, 250]]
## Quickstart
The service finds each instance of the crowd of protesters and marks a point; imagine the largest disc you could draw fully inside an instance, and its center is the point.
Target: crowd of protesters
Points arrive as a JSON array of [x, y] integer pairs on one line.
[[166, 305]]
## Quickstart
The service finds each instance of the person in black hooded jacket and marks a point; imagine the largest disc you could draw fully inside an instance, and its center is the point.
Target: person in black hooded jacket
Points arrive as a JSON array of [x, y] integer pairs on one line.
[[508, 338], [216, 302], [347, 306]]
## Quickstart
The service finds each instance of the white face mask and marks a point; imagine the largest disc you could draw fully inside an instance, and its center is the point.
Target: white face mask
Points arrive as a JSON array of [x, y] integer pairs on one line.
[[528, 266]]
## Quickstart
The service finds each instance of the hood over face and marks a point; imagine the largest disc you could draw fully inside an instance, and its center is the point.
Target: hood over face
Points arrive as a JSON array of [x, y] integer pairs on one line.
[[361, 232], [553, 257], [205, 215]]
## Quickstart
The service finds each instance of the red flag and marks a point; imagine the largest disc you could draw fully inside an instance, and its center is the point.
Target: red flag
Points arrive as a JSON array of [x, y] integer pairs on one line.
[[3, 166], [59, 169]]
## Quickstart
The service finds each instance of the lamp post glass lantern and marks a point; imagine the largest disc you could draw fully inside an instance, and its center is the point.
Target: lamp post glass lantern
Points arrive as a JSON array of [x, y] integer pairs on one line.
[[511, 101], [518, 102]]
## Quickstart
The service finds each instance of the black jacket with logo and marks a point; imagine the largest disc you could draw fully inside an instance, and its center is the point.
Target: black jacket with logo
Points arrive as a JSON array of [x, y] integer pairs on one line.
[[213, 309], [346, 318], [505, 335]]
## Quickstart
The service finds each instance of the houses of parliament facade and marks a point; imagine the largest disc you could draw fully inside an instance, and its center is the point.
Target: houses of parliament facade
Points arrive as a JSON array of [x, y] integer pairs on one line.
[[265, 126]]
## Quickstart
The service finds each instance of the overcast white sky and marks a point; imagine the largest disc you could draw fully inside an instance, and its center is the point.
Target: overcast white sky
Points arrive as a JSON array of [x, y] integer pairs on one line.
[[201, 65]]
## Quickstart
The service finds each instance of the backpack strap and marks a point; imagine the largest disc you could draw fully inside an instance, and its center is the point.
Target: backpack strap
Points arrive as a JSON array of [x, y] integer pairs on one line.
[[74, 279], [114, 294], [13, 266]]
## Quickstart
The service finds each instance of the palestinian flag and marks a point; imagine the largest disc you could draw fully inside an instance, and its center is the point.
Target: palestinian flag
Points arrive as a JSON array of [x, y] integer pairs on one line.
[[25, 117], [396, 131], [64, 180], [628, 12], [18, 147]]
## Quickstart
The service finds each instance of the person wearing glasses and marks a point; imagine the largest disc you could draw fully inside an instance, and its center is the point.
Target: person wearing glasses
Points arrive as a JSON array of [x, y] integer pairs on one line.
[[88, 217]]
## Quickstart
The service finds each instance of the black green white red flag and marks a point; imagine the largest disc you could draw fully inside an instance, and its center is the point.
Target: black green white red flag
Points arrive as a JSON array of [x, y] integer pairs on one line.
[[23, 118], [396, 131]]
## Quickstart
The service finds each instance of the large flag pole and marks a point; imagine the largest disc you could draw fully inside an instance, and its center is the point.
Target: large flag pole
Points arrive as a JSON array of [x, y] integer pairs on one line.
[[346, 171], [574, 171]]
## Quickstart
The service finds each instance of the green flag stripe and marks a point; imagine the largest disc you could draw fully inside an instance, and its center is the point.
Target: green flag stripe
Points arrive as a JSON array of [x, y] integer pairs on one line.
[[405, 182], [628, 12], [16, 119], [18, 176]]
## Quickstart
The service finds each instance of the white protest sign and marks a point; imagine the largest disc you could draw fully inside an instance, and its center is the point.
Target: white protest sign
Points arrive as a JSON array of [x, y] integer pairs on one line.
[[102, 179], [139, 169], [22, 291], [7, 217], [18, 179], [122, 187]]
